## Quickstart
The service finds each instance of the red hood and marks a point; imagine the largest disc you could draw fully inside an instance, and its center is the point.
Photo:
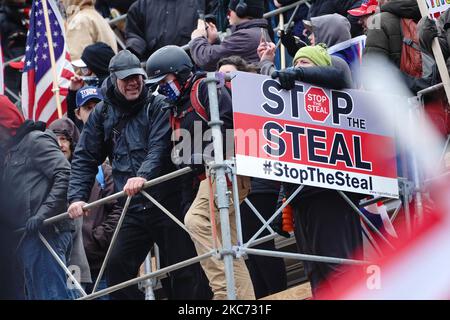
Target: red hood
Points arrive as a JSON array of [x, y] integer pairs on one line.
[[10, 117]]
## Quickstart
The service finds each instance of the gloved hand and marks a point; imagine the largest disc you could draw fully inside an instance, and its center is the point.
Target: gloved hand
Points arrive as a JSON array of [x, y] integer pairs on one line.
[[291, 42], [34, 223], [197, 164], [277, 226], [288, 77]]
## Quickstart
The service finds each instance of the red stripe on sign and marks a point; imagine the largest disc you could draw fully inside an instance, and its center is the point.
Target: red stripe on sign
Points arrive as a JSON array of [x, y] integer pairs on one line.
[[360, 148]]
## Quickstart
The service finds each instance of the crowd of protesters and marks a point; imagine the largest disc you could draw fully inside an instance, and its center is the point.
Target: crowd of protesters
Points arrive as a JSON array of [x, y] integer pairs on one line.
[[124, 125]]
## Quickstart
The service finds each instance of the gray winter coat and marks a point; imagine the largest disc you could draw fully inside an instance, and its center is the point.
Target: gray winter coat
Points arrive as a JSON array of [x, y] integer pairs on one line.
[[427, 30], [386, 38], [35, 178], [243, 42]]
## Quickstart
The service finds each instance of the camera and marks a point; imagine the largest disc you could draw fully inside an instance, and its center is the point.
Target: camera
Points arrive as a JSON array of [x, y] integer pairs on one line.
[[91, 80]]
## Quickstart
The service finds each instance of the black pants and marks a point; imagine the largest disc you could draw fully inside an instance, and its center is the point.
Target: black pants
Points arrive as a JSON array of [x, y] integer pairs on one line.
[[326, 225], [268, 274], [137, 235]]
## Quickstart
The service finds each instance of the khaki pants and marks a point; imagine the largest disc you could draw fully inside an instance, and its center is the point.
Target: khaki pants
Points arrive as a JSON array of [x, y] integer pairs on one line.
[[198, 222]]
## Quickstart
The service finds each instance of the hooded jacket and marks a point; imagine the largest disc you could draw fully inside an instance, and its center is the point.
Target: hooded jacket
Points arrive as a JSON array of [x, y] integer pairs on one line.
[[141, 149], [387, 39], [35, 176], [67, 128], [85, 26], [243, 42], [331, 29]]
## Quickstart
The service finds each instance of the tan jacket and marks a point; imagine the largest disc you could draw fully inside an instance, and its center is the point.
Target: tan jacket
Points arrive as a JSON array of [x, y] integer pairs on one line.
[[85, 26]]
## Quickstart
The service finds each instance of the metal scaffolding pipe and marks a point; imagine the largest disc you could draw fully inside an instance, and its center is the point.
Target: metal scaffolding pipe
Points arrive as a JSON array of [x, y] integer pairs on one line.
[[61, 264], [249, 242], [430, 89], [157, 273], [115, 196], [111, 244], [282, 9], [223, 203], [304, 257], [256, 212], [366, 220]]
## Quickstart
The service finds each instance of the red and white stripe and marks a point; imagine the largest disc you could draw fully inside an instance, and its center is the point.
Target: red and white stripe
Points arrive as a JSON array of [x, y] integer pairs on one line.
[[419, 269]]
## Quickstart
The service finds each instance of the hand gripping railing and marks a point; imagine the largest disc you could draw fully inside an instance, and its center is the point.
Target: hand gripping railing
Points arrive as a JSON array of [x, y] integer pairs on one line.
[[115, 196]]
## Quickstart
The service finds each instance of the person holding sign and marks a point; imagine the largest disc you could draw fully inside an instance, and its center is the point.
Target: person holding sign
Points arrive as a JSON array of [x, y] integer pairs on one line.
[[325, 224]]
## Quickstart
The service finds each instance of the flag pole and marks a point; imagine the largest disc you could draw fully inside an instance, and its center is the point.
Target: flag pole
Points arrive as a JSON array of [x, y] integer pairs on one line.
[[52, 58], [438, 56]]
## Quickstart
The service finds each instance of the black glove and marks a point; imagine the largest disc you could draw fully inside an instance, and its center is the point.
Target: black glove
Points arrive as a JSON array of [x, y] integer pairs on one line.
[[288, 77], [34, 224], [277, 226], [197, 165], [291, 42]]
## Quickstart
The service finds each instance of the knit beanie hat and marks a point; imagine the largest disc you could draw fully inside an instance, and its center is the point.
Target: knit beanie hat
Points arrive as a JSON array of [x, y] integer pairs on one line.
[[255, 8], [10, 117], [317, 54], [97, 57]]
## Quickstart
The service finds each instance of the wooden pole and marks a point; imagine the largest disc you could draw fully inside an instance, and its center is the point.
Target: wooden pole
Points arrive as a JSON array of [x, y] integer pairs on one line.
[[282, 49], [438, 56], [52, 58]]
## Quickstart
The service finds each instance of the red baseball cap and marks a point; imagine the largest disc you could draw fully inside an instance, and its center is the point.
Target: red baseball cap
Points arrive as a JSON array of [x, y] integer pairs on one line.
[[18, 65], [368, 7]]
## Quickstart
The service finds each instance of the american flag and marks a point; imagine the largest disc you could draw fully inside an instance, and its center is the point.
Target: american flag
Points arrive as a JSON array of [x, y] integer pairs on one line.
[[38, 99], [2, 81], [351, 51]]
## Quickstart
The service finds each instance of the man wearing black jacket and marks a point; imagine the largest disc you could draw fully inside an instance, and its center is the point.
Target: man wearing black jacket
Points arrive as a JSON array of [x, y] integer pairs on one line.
[[325, 224], [131, 127], [171, 68], [153, 24]]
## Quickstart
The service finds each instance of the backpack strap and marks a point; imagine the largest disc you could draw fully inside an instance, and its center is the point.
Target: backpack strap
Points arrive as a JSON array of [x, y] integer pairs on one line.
[[411, 43], [199, 108]]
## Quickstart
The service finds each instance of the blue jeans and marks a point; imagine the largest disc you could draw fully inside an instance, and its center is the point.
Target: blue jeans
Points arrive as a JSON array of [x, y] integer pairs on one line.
[[44, 277], [102, 284]]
